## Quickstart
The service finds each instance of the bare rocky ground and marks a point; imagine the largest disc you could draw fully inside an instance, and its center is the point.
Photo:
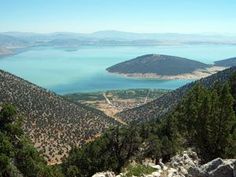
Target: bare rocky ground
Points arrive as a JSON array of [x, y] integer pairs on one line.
[[186, 164]]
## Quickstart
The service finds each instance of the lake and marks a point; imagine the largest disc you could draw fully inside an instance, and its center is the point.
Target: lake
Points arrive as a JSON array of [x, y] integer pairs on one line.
[[83, 70]]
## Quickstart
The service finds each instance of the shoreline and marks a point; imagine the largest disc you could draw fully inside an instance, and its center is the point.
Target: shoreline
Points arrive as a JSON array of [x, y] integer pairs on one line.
[[198, 74], [15, 51]]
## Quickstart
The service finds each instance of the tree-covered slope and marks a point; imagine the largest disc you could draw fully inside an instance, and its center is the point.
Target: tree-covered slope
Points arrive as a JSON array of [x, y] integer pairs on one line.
[[204, 120], [159, 64], [18, 157], [52, 122], [168, 101]]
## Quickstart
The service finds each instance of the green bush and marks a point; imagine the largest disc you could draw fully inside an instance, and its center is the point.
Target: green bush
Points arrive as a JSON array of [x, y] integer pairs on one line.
[[137, 170]]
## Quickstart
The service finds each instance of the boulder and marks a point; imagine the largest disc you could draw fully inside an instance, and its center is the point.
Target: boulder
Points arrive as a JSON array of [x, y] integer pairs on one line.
[[104, 174], [212, 165], [187, 159], [196, 172], [222, 171], [156, 174], [214, 168]]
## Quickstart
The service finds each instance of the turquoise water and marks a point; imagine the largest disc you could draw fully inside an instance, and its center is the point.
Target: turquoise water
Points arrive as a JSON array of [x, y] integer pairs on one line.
[[66, 71]]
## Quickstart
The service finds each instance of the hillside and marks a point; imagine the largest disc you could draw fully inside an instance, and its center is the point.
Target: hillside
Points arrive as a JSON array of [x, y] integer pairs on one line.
[[52, 122], [205, 121], [227, 62], [163, 67], [11, 45], [18, 157], [13, 42], [158, 64], [168, 101]]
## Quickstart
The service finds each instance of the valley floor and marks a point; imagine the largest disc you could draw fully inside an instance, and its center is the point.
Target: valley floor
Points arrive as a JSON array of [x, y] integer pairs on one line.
[[115, 101]]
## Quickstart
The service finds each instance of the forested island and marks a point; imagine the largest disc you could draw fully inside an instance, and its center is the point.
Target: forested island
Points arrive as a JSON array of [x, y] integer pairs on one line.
[[164, 67]]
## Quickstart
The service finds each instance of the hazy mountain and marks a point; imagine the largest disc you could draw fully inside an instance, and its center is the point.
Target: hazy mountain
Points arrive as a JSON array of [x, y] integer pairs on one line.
[[7, 41], [162, 36], [126, 36], [11, 45]]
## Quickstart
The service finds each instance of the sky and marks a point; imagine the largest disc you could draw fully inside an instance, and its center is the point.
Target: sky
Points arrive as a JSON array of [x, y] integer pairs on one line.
[[142, 16]]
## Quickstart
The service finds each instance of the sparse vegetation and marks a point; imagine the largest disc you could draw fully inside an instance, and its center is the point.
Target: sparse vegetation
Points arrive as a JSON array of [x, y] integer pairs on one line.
[[18, 157], [137, 170], [52, 123]]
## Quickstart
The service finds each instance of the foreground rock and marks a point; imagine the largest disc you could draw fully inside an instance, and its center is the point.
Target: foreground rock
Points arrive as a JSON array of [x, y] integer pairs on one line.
[[215, 168], [105, 174], [186, 164]]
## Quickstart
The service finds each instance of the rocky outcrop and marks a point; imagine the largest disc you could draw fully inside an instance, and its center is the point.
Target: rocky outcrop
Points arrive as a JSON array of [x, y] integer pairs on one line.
[[215, 168], [181, 163], [186, 164], [105, 174]]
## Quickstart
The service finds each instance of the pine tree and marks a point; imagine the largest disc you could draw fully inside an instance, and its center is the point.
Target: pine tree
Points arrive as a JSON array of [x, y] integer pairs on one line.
[[202, 126], [226, 120], [233, 88]]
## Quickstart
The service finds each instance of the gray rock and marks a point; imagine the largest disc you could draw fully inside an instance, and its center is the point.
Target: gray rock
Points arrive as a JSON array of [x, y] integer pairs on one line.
[[196, 172], [222, 171], [212, 165], [214, 168], [104, 174]]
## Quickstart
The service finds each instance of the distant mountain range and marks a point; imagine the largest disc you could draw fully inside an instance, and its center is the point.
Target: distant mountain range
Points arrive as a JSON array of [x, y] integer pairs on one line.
[[52, 122], [11, 41], [21, 40], [119, 37]]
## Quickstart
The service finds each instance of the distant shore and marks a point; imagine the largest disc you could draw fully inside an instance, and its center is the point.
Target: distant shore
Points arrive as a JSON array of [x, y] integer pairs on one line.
[[13, 51], [198, 74]]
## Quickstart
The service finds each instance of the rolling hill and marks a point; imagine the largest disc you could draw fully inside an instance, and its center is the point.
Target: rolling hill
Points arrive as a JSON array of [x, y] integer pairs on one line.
[[159, 65], [11, 42], [226, 62], [168, 101], [53, 123], [10, 45]]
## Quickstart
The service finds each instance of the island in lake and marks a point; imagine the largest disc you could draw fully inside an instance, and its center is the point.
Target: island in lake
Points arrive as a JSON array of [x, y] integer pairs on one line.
[[229, 62], [164, 67]]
